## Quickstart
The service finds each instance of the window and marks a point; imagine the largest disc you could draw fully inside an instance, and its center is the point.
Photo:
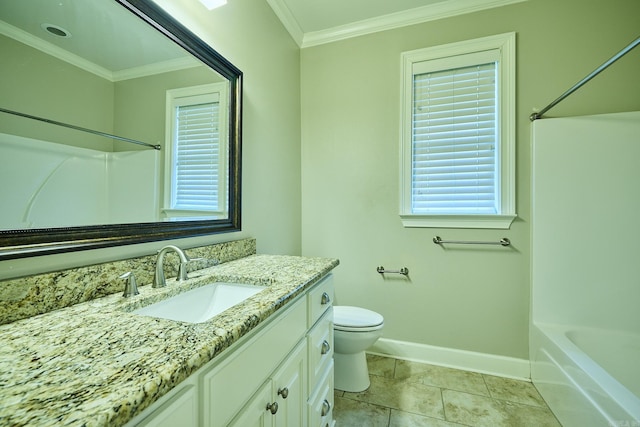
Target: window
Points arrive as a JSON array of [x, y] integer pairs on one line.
[[458, 135], [196, 154]]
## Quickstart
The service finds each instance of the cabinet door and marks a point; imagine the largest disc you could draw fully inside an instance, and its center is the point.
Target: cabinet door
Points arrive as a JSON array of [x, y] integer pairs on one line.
[[255, 413], [289, 384], [180, 410]]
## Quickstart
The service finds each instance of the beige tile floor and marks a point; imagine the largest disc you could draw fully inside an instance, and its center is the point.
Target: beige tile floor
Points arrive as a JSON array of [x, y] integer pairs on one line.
[[409, 394]]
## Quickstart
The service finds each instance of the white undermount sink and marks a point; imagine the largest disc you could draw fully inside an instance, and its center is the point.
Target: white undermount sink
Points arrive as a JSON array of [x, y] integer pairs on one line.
[[200, 304]]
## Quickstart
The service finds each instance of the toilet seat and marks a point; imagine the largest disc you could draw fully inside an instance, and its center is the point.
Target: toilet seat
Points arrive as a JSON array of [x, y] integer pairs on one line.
[[356, 319]]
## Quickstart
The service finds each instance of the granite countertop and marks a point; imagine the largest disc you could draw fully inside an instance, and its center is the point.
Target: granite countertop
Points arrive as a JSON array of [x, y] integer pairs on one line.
[[96, 364]]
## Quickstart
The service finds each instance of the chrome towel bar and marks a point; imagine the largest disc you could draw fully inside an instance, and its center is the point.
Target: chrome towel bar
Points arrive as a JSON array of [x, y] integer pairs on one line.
[[438, 241], [404, 271]]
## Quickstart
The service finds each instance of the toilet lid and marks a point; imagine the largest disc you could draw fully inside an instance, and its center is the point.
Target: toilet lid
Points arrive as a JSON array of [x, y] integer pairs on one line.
[[355, 317]]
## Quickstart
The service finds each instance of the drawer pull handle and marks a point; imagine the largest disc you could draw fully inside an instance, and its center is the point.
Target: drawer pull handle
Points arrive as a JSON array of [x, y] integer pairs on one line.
[[272, 407], [325, 298], [325, 347], [284, 392], [326, 407]]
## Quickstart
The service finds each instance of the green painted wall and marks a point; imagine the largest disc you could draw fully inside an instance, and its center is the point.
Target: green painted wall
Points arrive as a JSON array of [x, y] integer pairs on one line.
[[139, 108], [35, 83], [462, 297]]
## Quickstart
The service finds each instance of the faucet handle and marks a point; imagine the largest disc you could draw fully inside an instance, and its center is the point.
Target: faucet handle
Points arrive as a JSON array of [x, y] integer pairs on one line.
[[182, 268], [130, 286]]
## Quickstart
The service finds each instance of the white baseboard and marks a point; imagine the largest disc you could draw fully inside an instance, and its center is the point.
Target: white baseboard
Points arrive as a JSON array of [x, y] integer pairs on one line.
[[492, 364]]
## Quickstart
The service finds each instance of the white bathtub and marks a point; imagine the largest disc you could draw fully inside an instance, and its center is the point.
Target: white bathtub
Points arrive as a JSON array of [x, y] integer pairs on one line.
[[588, 376]]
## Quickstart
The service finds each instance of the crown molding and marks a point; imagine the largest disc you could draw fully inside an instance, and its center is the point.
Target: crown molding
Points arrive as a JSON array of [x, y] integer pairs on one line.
[[288, 20], [91, 67], [443, 9], [156, 68], [53, 50]]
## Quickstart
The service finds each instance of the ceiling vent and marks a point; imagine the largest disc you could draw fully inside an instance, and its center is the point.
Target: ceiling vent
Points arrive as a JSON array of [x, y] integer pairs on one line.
[[56, 30]]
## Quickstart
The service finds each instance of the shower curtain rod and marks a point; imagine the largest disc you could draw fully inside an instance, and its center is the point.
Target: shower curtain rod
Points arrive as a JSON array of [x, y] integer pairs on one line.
[[538, 115], [66, 125]]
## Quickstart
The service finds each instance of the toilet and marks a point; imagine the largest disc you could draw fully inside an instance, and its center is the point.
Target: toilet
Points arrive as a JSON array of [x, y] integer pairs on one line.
[[355, 329]]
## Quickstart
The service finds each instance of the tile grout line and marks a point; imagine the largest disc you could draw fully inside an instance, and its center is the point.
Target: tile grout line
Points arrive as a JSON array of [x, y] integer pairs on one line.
[[484, 381], [393, 376], [444, 410]]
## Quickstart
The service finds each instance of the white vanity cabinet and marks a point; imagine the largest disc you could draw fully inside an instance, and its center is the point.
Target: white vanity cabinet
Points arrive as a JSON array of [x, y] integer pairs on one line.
[[229, 384], [279, 375]]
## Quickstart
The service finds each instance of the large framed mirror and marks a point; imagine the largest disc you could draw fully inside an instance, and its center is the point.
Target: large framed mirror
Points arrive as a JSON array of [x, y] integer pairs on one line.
[[117, 126]]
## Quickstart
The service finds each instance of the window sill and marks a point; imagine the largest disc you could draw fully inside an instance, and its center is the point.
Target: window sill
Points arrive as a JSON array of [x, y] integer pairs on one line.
[[458, 221], [191, 215]]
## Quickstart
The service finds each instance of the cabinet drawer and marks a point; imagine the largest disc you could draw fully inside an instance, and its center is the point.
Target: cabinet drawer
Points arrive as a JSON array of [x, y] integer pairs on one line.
[[321, 403], [320, 345], [320, 299], [230, 384]]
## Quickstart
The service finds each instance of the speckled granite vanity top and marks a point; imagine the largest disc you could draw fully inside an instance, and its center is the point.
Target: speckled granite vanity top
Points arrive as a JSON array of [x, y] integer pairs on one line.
[[96, 364]]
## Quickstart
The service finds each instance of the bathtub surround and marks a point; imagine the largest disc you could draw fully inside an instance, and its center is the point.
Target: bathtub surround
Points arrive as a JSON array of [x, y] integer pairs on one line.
[[95, 364], [585, 329], [44, 177], [29, 296]]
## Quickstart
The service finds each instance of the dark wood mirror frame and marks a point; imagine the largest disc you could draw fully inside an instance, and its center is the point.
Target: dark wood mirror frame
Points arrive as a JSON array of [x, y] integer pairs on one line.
[[36, 242]]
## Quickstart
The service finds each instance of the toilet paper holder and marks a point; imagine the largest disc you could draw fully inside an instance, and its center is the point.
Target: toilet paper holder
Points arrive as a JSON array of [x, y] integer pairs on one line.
[[404, 271]]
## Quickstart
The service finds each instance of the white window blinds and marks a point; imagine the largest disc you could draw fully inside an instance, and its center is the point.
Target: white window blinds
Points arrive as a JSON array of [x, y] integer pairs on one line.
[[197, 157], [454, 141]]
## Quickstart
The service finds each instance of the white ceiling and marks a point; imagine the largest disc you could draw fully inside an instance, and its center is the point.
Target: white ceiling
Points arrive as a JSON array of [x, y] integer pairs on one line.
[[313, 22], [106, 39], [100, 45]]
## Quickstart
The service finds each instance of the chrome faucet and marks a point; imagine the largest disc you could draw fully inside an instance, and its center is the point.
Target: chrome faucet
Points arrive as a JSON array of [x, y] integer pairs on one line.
[[159, 280]]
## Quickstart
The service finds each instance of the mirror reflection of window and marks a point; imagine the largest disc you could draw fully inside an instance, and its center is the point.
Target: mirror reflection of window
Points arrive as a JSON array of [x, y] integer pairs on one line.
[[195, 172]]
